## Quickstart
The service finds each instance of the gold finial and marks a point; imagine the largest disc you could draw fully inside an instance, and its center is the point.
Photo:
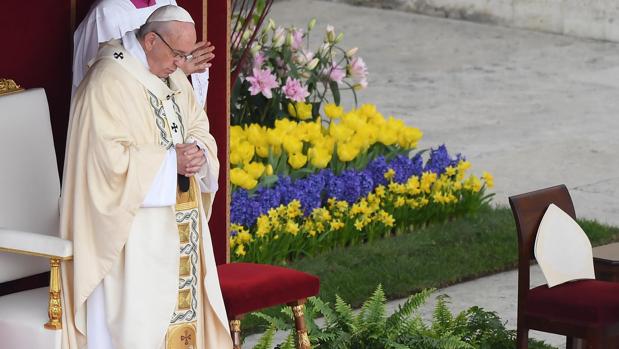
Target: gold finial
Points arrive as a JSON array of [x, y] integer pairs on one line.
[[9, 86]]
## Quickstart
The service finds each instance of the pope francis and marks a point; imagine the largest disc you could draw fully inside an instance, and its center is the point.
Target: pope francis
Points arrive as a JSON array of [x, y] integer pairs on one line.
[[139, 179]]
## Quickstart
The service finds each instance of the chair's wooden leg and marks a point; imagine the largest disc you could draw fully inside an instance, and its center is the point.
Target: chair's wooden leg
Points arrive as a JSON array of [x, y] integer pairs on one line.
[[55, 305], [298, 309], [235, 332], [522, 338]]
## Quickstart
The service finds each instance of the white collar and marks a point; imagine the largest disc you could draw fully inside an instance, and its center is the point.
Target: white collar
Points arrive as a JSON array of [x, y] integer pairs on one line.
[[131, 44]]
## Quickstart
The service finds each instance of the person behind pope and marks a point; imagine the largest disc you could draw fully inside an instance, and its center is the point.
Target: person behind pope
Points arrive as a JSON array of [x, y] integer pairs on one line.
[[139, 180], [111, 19]]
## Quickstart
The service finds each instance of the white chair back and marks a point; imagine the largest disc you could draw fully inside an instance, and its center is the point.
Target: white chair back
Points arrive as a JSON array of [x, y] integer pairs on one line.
[[29, 182]]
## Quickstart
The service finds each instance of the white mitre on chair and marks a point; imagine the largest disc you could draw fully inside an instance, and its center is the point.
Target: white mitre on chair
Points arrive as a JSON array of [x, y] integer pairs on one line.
[[562, 248]]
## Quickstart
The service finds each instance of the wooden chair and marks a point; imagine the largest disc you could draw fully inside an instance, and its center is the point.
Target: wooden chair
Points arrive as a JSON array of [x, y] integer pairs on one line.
[[587, 309], [29, 215], [248, 287]]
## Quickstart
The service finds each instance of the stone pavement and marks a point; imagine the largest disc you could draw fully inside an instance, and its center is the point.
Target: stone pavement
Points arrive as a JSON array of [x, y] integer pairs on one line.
[[534, 109]]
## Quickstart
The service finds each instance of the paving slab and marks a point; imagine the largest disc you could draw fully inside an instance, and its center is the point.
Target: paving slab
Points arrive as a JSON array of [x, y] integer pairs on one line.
[[534, 109]]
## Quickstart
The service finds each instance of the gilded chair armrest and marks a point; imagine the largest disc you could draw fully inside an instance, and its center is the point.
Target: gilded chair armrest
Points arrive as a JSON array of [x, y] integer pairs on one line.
[[28, 243]]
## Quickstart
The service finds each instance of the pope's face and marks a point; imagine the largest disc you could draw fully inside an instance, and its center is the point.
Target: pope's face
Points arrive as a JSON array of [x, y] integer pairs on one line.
[[167, 50]]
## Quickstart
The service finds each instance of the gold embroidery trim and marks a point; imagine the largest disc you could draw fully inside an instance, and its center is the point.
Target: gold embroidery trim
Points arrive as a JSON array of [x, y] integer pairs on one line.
[[185, 267], [184, 299]]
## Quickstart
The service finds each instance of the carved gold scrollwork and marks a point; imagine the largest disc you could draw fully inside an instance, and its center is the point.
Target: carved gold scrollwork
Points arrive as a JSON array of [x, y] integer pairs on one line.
[[298, 310], [303, 338], [9, 86], [235, 328], [235, 325]]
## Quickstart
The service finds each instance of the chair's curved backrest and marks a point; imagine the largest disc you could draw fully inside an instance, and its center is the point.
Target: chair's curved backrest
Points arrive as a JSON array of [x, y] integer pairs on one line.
[[29, 182]]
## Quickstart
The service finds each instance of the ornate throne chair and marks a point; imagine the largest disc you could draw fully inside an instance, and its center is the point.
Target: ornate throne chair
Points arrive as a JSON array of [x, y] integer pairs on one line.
[[248, 287], [29, 242], [587, 309]]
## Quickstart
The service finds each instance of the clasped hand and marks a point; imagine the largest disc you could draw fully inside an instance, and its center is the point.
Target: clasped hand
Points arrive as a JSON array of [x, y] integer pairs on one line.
[[189, 159]]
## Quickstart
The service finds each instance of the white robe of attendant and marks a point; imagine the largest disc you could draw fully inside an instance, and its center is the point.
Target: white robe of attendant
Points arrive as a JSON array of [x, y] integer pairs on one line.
[[124, 276], [111, 19]]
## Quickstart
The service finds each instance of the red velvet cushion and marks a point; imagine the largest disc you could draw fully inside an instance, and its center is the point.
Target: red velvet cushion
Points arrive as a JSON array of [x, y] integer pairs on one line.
[[248, 287], [586, 301]]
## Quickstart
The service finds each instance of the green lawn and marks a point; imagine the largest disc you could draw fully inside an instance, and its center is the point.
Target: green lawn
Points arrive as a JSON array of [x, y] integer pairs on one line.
[[436, 256]]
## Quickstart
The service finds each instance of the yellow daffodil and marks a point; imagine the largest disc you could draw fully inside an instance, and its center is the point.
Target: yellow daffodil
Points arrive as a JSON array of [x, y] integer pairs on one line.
[[333, 111], [488, 178], [240, 250], [292, 227]]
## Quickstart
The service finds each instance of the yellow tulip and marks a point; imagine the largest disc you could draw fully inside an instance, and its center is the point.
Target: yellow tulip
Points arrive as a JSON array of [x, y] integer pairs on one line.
[[292, 145], [347, 151], [262, 151], [237, 133], [246, 151], [319, 157], [256, 135], [275, 136], [387, 136], [239, 177], [255, 169], [340, 132], [300, 110], [297, 160]]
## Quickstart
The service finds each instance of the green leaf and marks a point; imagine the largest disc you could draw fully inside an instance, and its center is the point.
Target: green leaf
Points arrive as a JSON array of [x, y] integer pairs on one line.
[[335, 91]]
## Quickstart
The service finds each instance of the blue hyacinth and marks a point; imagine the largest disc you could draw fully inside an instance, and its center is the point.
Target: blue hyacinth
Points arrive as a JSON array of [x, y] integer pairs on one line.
[[351, 185]]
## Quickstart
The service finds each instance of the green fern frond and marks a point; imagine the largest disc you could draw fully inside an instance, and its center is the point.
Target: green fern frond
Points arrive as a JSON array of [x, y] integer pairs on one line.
[[289, 342], [373, 309], [345, 314], [324, 309], [405, 310], [272, 321], [266, 341], [442, 317]]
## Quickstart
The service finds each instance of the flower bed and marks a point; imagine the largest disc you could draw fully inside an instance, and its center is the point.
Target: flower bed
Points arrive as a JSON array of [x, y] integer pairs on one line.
[[307, 175]]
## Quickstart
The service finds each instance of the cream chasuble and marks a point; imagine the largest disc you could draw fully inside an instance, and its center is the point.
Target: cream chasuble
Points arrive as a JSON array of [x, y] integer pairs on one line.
[[156, 264]]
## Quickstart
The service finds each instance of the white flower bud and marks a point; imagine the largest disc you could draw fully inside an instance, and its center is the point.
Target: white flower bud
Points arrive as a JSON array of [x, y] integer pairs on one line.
[[352, 52], [255, 49], [279, 42], [271, 24], [330, 34], [339, 38], [312, 64], [311, 24], [246, 36], [289, 39]]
